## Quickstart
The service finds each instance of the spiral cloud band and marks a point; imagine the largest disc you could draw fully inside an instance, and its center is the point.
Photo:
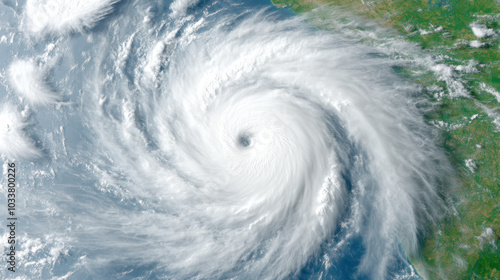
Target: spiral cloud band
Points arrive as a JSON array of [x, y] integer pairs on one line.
[[261, 137], [227, 144]]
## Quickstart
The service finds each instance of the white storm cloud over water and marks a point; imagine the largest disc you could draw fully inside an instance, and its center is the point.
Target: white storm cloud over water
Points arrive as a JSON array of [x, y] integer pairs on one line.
[[29, 81], [227, 144], [60, 17], [14, 141]]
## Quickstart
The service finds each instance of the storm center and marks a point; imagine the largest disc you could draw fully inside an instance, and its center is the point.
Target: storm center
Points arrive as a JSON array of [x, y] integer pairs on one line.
[[244, 140]]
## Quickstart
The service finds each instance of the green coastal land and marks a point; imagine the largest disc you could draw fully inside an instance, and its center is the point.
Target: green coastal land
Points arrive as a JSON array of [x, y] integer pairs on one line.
[[458, 42]]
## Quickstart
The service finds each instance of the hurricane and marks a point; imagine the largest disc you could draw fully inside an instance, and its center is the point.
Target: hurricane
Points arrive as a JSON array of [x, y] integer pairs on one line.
[[211, 140]]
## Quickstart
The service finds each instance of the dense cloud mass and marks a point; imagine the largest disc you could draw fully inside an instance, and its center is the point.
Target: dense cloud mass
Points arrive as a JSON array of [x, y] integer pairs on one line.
[[214, 140]]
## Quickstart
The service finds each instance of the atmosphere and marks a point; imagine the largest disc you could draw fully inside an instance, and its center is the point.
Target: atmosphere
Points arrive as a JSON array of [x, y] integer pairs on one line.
[[222, 139]]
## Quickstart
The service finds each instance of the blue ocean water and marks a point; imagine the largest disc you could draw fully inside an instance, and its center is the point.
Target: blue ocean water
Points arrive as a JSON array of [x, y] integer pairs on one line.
[[128, 115]]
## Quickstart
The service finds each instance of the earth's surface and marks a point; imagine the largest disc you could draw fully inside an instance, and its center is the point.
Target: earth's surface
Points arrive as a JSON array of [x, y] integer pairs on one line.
[[194, 139], [462, 37]]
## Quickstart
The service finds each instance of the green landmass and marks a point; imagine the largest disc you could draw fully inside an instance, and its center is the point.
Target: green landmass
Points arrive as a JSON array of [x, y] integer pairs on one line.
[[466, 244]]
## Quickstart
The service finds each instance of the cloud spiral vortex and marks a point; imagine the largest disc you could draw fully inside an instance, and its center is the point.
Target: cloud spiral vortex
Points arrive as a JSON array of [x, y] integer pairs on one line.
[[241, 145]]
